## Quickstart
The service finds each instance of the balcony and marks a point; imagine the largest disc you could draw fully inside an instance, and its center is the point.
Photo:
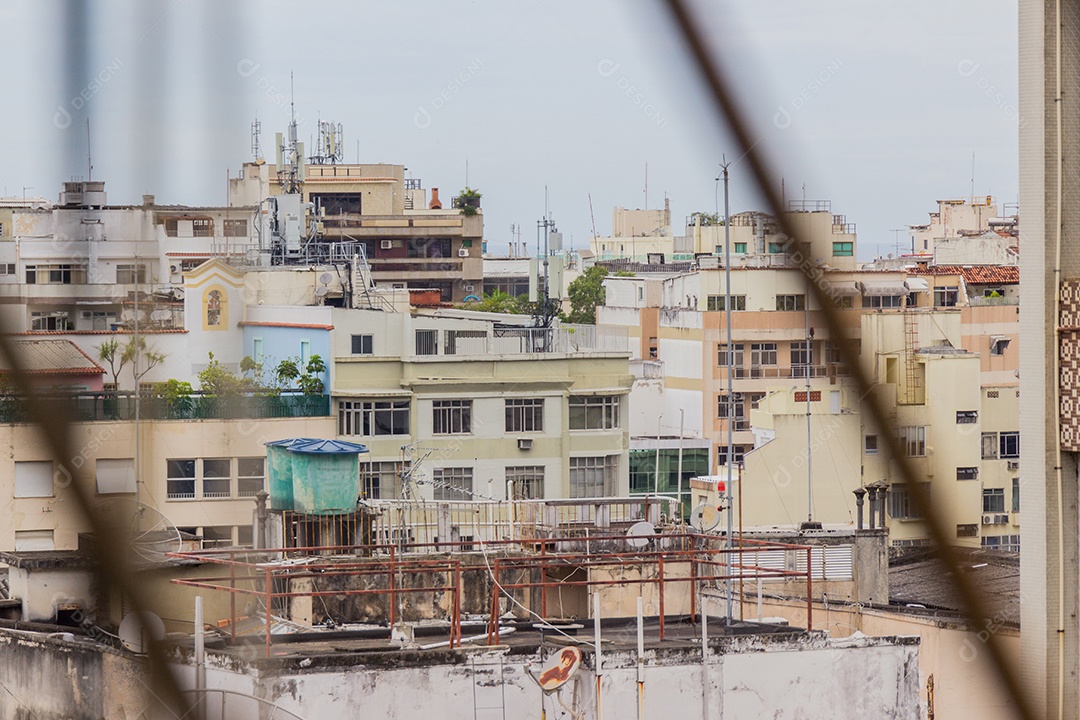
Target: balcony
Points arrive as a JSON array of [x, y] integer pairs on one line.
[[772, 371], [105, 406]]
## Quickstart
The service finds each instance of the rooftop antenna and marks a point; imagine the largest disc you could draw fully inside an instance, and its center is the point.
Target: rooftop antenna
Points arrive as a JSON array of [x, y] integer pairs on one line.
[[256, 145], [730, 348], [466, 172], [896, 239], [89, 161], [973, 174], [646, 186], [592, 217]]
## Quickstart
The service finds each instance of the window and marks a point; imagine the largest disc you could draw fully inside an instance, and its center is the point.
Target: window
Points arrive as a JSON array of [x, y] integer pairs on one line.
[[762, 354], [380, 480], [993, 500], [130, 274], [790, 302], [737, 454], [843, 249], [736, 408], [599, 412], [1010, 445], [967, 473], [115, 476], [30, 540], [427, 342], [802, 353], [870, 444], [883, 301], [305, 351], [592, 476], [967, 530], [528, 481], [338, 203], [33, 479], [217, 478], [967, 417], [236, 228], [250, 476], [46, 321], [257, 353], [180, 479], [171, 226], [946, 296], [217, 536], [373, 417], [736, 355], [719, 302], [525, 415], [202, 227], [214, 304], [989, 446], [362, 344], [1016, 494], [912, 440], [466, 342], [740, 248], [452, 417], [901, 506], [55, 274], [844, 303], [776, 248], [1005, 543], [453, 483], [7, 268]]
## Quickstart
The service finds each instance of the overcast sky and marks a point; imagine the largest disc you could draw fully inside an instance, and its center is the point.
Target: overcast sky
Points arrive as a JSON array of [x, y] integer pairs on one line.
[[877, 107]]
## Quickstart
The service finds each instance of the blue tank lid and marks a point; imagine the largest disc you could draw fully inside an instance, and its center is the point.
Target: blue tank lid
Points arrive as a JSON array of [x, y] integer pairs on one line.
[[326, 447], [291, 441]]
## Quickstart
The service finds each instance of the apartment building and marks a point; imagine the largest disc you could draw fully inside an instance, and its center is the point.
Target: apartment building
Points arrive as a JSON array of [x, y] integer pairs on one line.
[[940, 342]]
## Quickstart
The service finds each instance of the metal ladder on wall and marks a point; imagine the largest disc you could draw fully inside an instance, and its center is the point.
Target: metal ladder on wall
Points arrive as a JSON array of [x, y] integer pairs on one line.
[[911, 349], [489, 696]]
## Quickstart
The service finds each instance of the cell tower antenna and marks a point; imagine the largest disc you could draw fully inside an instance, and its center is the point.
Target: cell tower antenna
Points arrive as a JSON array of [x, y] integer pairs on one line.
[[256, 145], [592, 217]]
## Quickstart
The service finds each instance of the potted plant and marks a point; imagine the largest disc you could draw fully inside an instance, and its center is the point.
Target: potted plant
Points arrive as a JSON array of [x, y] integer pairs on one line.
[[468, 201]]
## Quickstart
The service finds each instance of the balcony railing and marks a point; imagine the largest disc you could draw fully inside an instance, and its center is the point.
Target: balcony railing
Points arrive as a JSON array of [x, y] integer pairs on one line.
[[90, 407], [772, 371]]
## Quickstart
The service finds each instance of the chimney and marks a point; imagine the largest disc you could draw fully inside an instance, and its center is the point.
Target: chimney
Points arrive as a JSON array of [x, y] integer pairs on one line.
[[147, 200], [860, 494], [435, 203]]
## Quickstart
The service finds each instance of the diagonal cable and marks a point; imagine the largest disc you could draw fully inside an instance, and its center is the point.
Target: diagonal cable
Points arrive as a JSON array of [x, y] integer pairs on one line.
[[973, 603]]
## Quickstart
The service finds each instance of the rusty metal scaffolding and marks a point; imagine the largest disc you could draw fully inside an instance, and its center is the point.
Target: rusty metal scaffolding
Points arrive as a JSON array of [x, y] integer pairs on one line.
[[261, 573]]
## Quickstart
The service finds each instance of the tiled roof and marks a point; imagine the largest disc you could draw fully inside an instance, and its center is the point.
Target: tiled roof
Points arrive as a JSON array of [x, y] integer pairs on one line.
[[53, 357], [974, 274]]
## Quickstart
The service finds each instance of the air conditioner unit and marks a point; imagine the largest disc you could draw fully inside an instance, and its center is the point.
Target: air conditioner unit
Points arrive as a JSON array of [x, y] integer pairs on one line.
[[1001, 519], [1014, 464], [987, 519], [386, 244], [174, 269], [524, 443], [469, 288], [463, 252], [86, 314], [995, 519]]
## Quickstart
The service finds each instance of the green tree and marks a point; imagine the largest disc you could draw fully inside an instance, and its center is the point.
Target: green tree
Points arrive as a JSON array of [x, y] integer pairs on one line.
[[498, 301], [112, 353], [148, 358], [586, 293], [218, 380]]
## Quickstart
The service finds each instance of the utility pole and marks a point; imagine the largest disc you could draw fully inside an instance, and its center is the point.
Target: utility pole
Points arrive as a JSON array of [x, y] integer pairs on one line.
[[730, 384]]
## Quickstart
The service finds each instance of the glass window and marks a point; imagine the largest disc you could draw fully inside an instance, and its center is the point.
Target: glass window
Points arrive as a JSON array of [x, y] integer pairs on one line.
[[1016, 494], [719, 302], [452, 417], [373, 417], [600, 412], [528, 481], [967, 473], [946, 296], [202, 227], [790, 302], [736, 355], [912, 440], [843, 249], [592, 476], [993, 500], [130, 274], [802, 353], [990, 446], [883, 301], [380, 480], [453, 483], [217, 477], [762, 354], [427, 342], [870, 443], [250, 476], [525, 415], [236, 228], [740, 248], [967, 417], [362, 344], [900, 504], [180, 479], [1010, 445]]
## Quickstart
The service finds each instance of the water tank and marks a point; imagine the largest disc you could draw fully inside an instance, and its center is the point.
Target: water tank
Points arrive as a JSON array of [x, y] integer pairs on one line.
[[279, 472], [325, 476]]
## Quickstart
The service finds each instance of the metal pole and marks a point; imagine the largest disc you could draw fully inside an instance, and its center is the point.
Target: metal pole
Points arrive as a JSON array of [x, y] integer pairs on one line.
[[808, 357], [640, 659], [656, 469], [599, 663], [730, 385], [682, 427], [200, 653]]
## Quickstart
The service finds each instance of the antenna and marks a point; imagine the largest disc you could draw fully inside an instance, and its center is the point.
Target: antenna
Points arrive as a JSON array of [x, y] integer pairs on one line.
[[973, 174], [592, 217], [89, 161], [646, 186], [256, 145]]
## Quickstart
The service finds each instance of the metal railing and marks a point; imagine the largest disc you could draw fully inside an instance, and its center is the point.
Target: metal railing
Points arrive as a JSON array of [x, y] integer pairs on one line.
[[113, 406]]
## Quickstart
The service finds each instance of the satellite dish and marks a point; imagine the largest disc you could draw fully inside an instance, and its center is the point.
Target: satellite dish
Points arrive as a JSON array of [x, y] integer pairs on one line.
[[705, 517], [639, 533], [151, 535], [321, 291], [138, 630], [326, 278], [559, 668], [160, 315]]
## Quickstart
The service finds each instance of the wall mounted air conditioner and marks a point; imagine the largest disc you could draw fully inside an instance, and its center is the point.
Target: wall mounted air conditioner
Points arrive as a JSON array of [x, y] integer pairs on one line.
[[469, 288], [463, 252], [386, 244], [1014, 464], [524, 443]]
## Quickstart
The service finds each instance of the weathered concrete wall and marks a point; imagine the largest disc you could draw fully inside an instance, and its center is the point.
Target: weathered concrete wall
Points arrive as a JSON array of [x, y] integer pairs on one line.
[[42, 590], [778, 677], [54, 679]]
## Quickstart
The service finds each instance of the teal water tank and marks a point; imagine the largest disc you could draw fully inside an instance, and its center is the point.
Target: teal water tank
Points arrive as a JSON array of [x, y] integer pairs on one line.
[[279, 472], [325, 476]]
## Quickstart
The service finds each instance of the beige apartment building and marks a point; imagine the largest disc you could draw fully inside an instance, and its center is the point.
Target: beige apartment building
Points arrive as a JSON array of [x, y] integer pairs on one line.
[[940, 343]]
